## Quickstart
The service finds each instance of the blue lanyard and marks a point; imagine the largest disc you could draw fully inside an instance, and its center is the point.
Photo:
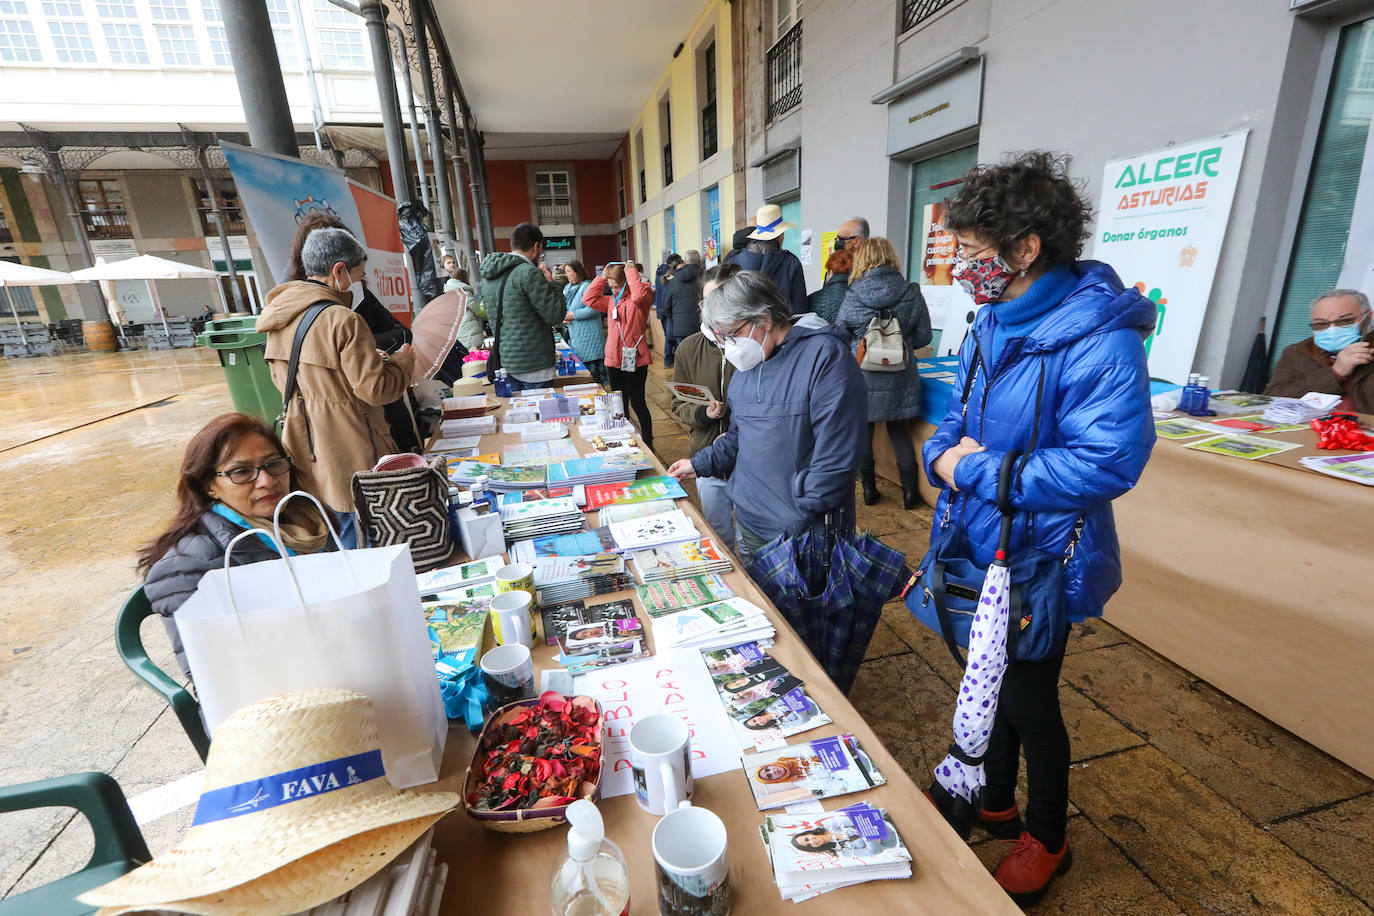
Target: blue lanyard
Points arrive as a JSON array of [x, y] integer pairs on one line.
[[224, 511]]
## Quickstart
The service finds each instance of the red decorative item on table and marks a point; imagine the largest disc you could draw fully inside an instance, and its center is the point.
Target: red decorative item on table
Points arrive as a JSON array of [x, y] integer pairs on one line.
[[533, 759], [1342, 431]]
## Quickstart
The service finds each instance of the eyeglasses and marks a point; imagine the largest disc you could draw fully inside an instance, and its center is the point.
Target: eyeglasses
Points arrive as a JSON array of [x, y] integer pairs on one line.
[[1344, 321], [964, 255], [247, 473], [847, 239], [722, 340]]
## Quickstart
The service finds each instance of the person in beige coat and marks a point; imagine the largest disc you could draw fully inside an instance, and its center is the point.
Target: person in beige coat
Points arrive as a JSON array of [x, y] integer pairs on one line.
[[334, 424]]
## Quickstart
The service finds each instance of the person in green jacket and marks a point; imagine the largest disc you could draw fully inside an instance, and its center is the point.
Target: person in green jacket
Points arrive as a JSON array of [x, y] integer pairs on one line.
[[524, 309]]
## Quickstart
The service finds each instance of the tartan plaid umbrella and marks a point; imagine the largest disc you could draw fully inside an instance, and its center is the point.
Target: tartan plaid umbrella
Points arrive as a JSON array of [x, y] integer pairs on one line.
[[831, 588]]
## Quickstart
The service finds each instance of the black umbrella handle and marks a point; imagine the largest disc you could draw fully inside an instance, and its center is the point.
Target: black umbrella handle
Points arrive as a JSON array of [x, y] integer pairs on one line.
[[1004, 501]]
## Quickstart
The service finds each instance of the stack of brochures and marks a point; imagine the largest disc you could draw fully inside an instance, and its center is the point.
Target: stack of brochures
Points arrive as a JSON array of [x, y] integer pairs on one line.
[[637, 491], [671, 595], [538, 454], [821, 768], [815, 853], [499, 477], [569, 578], [623, 512], [1359, 468], [688, 558], [781, 714], [654, 531], [484, 425], [604, 468], [540, 516], [596, 636], [713, 626], [1301, 410], [448, 578], [575, 544]]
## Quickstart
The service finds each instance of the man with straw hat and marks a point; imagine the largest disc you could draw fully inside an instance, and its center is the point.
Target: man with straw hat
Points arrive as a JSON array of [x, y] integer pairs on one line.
[[766, 255], [295, 812]]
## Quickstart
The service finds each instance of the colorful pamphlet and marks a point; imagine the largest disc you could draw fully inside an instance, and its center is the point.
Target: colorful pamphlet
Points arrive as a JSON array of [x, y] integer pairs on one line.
[[790, 714], [455, 627], [594, 636], [1359, 468], [637, 491], [696, 394], [628, 511], [539, 454], [569, 578], [1238, 402], [1239, 446], [654, 531], [577, 544], [499, 476], [711, 626], [448, 578], [674, 561], [821, 768], [1177, 429], [812, 854], [659, 598]]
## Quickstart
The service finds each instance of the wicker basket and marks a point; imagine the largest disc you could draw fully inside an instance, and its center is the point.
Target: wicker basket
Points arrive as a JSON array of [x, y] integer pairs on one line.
[[528, 820]]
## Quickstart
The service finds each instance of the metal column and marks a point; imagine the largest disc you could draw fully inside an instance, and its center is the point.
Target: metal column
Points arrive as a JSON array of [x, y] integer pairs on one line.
[[460, 191], [479, 165], [436, 139], [374, 17], [253, 52]]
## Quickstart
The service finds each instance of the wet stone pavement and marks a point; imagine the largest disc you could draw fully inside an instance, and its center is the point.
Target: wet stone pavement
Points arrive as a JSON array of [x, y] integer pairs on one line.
[[1181, 800]]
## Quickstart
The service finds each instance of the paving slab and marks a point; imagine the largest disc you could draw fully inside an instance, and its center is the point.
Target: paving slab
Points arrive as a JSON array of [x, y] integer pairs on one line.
[[1255, 765], [1338, 840]]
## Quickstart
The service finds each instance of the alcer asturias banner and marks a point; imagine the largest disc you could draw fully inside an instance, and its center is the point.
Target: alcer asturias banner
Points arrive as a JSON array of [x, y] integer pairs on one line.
[[278, 191], [1161, 220]]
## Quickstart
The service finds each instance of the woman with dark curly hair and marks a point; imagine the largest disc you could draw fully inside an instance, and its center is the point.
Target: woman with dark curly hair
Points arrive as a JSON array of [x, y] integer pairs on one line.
[[1060, 342]]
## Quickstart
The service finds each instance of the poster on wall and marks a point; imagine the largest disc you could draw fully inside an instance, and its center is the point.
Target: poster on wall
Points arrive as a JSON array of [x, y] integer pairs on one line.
[[1357, 269], [827, 249], [1161, 220], [951, 309], [277, 192]]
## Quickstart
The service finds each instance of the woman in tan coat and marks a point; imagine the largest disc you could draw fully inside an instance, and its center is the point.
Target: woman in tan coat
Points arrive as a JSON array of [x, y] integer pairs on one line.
[[334, 421]]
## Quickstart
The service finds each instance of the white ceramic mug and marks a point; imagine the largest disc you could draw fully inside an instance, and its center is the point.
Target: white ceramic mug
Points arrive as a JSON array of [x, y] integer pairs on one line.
[[660, 758], [508, 673], [510, 618], [690, 860]]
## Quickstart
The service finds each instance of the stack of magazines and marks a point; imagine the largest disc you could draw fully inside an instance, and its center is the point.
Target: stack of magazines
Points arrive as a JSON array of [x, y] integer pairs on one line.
[[672, 595], [594, 637], [654, 531], [783, 714], [484, 425], [463, 407], [608, 467], [688, 558], [539, 454], [570, 578], [815, 853], [576, 544], [822, 768], [540, 516], [500, 477], [714, 626], [637, 491]]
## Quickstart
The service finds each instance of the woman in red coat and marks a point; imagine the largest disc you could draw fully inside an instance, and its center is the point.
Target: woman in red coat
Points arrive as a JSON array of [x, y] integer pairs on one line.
[[626, 299]]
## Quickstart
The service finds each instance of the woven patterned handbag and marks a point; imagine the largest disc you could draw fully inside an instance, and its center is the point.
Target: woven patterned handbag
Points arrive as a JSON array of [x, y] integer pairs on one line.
[[405, 505]]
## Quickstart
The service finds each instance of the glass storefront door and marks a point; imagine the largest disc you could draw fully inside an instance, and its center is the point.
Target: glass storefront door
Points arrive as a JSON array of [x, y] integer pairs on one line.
[[933, 180]]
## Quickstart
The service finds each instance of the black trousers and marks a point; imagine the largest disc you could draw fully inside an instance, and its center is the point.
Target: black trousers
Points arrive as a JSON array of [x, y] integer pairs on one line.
[[632, 385], [1029, 719], [901, 445]]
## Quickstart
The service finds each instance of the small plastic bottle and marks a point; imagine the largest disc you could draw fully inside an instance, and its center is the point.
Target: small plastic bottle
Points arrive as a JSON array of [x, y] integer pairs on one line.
[[453, 505], [1185, 396], [1203, 397], [480, 495], [590, 879]]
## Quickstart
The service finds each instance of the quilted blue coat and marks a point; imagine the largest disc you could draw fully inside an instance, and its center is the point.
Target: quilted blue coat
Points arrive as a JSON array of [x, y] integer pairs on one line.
[[1096, 430]]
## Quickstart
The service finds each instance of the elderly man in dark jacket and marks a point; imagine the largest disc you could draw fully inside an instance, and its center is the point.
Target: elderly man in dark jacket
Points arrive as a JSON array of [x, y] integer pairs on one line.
[[1337, 359], [684, 299]]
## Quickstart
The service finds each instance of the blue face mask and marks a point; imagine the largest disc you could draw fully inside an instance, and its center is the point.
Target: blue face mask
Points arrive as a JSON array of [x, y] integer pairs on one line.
[[1335, 339]]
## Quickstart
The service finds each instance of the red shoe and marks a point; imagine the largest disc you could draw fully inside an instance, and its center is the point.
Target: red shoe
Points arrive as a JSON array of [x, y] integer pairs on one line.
[[1025, 874], [1002, 825]]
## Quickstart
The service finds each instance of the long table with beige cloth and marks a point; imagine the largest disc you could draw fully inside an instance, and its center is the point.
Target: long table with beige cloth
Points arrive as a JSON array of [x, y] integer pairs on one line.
[[1253, 575], [501, 873]]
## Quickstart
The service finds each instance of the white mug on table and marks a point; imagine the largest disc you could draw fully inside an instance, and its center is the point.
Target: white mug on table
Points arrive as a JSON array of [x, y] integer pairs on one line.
[[660, 757], [693, 873], [511, 621]]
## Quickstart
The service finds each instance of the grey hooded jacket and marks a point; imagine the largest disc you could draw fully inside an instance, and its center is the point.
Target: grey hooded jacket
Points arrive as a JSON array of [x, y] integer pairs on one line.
[[891, 395]]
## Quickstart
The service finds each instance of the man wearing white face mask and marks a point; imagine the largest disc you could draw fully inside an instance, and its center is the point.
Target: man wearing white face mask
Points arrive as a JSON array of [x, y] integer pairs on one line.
[[1337, 359], [335, 424], [799, 414]]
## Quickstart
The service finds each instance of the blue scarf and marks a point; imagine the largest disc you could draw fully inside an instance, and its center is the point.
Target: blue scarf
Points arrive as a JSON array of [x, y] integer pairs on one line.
[[1019, 317]]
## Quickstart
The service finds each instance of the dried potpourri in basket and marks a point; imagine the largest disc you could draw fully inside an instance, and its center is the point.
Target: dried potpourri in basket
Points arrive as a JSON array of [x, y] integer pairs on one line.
[[540, 755]]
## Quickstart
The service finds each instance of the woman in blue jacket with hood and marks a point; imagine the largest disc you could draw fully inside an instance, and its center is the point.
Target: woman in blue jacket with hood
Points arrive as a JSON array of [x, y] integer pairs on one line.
[[1066, 328]]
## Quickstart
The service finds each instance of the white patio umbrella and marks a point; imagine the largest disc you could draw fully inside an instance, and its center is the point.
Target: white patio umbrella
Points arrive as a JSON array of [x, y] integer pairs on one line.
[[13, 274], [147, 267]]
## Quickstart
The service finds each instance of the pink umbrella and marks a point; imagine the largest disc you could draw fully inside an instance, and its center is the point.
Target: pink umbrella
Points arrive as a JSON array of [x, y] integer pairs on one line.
[[435, 331]]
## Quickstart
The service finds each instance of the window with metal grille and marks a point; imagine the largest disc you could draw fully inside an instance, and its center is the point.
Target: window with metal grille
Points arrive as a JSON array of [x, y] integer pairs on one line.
[[665, 127], [918, 11], [227, 198], [709, 131], [219, 45], [69, 9], [342, 48], [125, 41], [20, 298], [115, 9], [6, 234], [102, 209], [178, 45], [620, 185], [173, 10], [552, 197], [72, 42], [639, 158], [784, 73], [17, 40]]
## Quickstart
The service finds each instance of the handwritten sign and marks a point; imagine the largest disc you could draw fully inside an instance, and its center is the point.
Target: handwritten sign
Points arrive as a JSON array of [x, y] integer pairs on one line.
[[673, 682]]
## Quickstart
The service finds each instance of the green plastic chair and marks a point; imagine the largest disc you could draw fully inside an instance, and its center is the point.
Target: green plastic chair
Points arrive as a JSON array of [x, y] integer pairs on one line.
[[119, 846], [129, 643]]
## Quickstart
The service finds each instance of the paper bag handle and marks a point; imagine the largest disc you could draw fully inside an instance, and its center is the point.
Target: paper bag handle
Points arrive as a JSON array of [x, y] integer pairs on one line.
[[276, 528], [228, 552]]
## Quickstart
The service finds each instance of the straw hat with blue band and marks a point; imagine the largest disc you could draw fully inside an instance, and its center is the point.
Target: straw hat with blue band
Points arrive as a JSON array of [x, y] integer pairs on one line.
[[769, 224], [295, 811]]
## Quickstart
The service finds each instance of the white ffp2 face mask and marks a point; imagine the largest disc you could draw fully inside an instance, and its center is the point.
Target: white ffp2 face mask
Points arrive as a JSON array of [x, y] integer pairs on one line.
[[356, 291], [744, 353]]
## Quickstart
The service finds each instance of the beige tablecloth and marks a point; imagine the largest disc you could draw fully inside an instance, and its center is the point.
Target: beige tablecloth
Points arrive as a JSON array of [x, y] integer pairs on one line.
[[495, 873]]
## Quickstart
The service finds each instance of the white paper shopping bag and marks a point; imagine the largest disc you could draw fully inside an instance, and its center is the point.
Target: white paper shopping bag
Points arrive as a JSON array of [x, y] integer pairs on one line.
[[347, 619]]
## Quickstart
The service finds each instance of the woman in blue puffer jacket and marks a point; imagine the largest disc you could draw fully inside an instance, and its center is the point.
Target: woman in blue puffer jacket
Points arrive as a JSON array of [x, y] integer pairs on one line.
[[586, 326], [1020, 228]]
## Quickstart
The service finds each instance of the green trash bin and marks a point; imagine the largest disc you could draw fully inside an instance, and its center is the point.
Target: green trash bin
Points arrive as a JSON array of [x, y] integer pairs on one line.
[[240, 348]]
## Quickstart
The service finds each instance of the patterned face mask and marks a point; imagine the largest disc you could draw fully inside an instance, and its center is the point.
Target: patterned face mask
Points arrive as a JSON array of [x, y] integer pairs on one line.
[[984, 280]]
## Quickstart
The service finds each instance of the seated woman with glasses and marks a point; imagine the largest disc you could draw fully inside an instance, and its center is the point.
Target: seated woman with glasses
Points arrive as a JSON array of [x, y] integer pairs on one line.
[[1337, 359], [234, 473]]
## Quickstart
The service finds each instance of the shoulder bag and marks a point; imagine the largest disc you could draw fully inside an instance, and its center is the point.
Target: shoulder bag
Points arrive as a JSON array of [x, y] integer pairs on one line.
[[944, 594], [292, 365], [494, 354], [882, 348], [404, 500]]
